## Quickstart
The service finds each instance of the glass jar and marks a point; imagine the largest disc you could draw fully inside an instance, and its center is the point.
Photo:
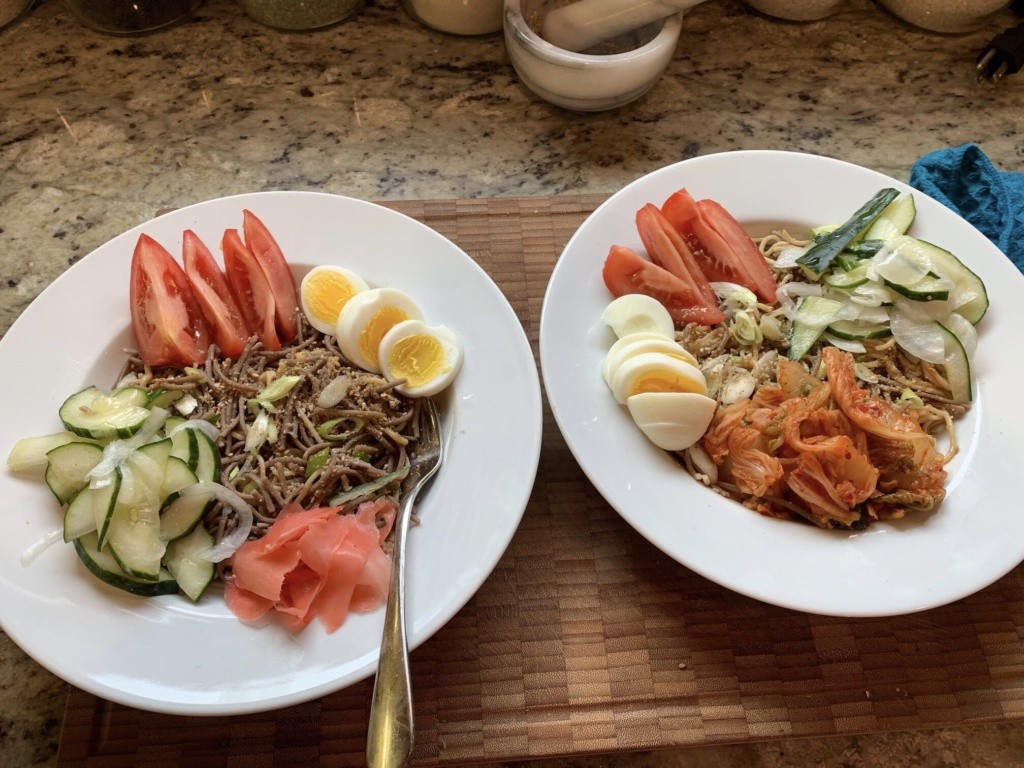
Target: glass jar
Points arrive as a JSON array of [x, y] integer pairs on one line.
[[299, 15], [131, 17], [458, 17]]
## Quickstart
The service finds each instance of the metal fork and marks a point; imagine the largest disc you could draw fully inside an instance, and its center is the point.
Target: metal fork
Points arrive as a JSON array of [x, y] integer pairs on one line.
[[389, 739]]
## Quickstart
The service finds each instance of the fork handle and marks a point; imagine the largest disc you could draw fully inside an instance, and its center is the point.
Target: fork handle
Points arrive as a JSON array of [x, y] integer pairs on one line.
[[389, 738]]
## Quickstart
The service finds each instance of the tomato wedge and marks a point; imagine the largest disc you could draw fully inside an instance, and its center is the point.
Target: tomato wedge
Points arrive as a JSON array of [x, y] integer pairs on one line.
[[626, 271], [720, 245], [279, 275], [669, 251], [213, 295], [250, 288], [168, 324]]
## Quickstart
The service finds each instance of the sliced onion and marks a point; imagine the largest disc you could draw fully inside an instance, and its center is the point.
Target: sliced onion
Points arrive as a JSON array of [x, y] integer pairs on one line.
[[922, 339], [227, 546], [787, 257], [735, 293], [864, 373], [116, 452], [800, 289], [871, 295], [961, 327], [258, 433], [186, 405], [207, 428], [902, 261], [739, 385], [35, 550], [335, 390], [847, 345], [703, 462]]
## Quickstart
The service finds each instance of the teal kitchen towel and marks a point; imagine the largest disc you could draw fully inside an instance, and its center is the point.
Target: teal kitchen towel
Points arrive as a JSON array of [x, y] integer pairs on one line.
[[964, 180]]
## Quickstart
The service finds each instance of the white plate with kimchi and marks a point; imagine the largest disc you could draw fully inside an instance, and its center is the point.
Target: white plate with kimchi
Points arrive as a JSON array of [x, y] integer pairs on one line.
[[877, 560], [167, 653]]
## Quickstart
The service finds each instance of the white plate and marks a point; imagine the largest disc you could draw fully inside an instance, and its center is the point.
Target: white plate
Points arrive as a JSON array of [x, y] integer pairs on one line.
[[167, 655], [924, 561]]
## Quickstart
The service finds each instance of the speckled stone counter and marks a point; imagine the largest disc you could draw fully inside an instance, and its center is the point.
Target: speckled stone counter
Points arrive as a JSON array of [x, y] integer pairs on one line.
[[98, 132]]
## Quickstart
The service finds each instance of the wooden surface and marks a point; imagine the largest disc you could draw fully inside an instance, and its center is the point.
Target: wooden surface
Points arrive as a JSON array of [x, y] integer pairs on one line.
[[587, 639]]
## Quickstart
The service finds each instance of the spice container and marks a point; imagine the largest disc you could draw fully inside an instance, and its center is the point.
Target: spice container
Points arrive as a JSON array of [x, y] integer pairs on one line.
[[131, 17], [457, 17], [948, 16], [298, 15], [796, 10], [606, 76]]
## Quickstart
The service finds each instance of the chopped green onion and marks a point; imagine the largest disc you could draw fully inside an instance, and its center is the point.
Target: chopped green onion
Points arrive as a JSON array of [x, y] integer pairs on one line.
[[910, 396], [317, 461], [274, 391], [364, 490], [350, 425]]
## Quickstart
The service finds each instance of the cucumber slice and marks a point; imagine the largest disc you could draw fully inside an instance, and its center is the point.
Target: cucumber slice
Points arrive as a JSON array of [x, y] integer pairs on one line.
[[159, 452], [29, 453], [966, 284], [927, 289], [813, 315], [92, 413], [163, 398], [848, 280], [207, 466], [858, 330], [894, 220], [821, 254], [183, 513], [68, 467], [182, 445], [102, 565], [958, 367], [177, 475], [88, 506], [185, 561], [133, 531]]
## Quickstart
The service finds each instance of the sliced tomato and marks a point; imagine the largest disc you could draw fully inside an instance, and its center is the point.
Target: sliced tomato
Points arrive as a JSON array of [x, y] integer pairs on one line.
[[279, 275], [168, 324], [728, 244], [669, 251], [680, 209], [626, 271], [250, 288], [213, 294], [720, 245]]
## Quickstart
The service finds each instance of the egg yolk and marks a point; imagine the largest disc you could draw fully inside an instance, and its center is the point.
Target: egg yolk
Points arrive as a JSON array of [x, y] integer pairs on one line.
[[382, 322], [664, 381], [327, 294], [418, 359]]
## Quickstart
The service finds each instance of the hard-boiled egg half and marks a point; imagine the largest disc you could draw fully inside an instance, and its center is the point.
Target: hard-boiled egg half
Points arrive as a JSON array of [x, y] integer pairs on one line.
[[657, 379], [324, 291], [425, 360], [365, 320]]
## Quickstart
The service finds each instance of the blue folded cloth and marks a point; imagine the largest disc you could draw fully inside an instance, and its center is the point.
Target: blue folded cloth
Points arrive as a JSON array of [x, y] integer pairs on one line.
[[964, 180]]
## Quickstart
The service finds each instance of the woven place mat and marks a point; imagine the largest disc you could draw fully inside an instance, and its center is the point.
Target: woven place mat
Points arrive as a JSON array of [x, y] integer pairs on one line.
[[587, 639]]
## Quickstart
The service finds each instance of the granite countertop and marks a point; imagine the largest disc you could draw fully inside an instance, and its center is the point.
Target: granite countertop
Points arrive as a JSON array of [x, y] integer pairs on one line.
[[99, 132]]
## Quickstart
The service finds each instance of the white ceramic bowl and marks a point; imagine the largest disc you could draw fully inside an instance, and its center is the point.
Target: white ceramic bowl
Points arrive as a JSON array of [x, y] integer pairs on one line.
[[797, 10], [586, 82], [946, 16]]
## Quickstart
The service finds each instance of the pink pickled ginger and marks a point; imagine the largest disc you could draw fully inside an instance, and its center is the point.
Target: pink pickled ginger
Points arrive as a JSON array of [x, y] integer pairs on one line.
[[314, 563]]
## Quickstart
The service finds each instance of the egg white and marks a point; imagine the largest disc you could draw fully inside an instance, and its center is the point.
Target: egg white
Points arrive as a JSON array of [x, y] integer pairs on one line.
[[656, 365], [451, 349], [313, 285], [636, 312], [360, 313], [673, 421]]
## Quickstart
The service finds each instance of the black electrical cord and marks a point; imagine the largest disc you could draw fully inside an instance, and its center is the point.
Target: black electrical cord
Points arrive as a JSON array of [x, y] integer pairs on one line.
[[1004, 55]]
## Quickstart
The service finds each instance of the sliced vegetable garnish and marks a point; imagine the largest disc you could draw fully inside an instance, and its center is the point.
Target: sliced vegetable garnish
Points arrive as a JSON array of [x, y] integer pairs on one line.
[[821, 255]]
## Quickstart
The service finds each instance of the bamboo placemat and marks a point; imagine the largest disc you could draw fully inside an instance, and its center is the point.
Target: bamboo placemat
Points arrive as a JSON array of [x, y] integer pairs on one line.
[[586, 639]]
